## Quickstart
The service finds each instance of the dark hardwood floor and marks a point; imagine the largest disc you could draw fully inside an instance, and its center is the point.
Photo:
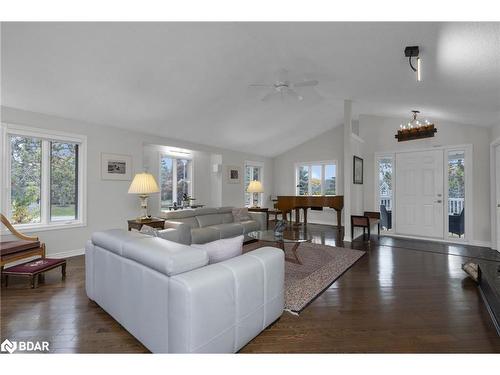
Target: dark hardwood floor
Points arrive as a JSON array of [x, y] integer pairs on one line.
[[403, 296]]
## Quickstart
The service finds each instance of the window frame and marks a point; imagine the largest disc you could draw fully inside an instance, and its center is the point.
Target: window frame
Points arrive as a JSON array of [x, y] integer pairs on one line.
[[174, 156], [46, 136], [253, 164], [310, 164], [376, 208]]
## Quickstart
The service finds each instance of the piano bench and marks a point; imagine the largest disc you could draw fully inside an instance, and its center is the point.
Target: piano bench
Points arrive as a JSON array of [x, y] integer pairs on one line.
[[368, 220]]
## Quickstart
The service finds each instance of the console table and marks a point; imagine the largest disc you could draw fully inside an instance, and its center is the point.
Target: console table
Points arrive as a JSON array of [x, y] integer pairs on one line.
[[153, 222]]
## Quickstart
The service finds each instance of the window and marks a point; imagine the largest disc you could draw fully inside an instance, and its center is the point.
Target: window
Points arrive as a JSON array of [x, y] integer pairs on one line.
[[385, 187], [318, 178], [44, 176], [253, 172], [456, 193], [175, 180]]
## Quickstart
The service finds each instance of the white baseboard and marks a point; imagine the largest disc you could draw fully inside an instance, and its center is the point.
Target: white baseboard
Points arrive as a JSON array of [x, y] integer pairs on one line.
[[67, 254], [472, 242], [323, 222], [480, 243]]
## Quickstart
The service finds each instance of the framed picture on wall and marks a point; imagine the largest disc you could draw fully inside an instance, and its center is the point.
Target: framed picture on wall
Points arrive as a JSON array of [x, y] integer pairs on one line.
[[116, 167], [357, 170], [233, 175]]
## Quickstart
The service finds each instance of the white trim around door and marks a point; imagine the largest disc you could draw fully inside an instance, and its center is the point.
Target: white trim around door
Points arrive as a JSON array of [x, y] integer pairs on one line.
[[493, 194], [468, 149]]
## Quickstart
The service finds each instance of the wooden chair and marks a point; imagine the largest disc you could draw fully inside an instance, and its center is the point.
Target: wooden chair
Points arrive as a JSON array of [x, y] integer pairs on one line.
[[24, 247], [366, 221]]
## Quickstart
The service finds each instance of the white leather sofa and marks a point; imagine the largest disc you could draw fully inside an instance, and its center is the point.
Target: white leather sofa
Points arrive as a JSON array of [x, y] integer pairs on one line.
[[202, 225], [166, 295]]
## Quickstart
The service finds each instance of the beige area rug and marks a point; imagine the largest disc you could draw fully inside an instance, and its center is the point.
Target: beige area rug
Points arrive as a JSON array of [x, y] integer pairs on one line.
[[321, 266]]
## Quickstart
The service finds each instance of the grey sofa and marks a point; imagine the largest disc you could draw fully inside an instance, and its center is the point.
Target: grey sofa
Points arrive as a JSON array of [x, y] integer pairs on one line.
[[204, 225], [166, 295]]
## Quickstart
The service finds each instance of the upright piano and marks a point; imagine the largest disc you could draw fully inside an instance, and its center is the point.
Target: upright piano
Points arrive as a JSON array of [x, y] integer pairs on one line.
[[287, 203]]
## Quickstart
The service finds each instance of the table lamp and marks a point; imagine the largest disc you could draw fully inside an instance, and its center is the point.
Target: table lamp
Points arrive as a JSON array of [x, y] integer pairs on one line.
[[143, 184], [255, 187]]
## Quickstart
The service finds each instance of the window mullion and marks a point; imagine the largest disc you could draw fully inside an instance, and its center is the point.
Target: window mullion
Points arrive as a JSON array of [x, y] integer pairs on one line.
[[322, 179], [174, 180], [45, 188], [309, 184], [8, 177]]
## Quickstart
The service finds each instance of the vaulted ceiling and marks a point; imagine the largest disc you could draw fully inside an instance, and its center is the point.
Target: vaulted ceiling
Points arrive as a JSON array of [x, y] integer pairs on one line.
[[191, 81]]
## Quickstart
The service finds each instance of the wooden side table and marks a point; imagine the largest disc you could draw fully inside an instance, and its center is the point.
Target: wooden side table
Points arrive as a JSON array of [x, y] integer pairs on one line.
[[153, 222], [261, 209]]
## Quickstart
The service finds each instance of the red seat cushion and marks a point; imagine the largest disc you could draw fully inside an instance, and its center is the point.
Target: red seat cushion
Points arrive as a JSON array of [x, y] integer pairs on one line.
[[360, 221], [34, 266], [10, 247]]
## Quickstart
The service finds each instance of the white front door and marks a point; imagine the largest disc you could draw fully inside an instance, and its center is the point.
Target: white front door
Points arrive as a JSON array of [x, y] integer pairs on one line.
[[419, 193], [497, 166]]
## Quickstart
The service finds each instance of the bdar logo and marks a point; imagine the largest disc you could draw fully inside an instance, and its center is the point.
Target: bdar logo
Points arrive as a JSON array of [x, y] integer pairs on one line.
[[8, 346]]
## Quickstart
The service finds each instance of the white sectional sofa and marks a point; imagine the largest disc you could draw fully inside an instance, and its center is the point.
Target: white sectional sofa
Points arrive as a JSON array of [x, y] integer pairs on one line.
[[166, 295], [203, 225]]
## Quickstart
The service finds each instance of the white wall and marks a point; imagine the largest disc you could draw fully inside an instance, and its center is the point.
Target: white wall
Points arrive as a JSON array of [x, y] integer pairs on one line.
[[327, 146], [378, 133], [233, 194], [357, 190], [216, 180], [108, 204]]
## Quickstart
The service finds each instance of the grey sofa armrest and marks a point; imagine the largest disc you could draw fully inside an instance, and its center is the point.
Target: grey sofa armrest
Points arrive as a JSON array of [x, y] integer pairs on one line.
[[261, 218], [170, 234], [183, 231]]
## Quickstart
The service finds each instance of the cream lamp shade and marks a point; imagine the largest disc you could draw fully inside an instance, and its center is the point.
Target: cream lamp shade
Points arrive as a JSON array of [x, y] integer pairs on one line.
[[255, 187], [143, 184]]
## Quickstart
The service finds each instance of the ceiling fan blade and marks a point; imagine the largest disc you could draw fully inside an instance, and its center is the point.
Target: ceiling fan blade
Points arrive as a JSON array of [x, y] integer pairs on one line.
[[306, 83], [293, 94]]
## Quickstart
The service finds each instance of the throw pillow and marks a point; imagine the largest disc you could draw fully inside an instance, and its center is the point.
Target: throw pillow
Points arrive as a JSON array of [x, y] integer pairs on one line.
[[150, 231], [222, 249], [241, 214]]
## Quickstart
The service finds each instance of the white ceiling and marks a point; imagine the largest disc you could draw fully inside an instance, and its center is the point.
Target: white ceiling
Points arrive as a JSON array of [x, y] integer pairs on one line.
[[190, 80]]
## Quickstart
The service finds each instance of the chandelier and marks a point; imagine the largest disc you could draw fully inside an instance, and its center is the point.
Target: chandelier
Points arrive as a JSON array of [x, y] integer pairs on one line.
[[415, 129]]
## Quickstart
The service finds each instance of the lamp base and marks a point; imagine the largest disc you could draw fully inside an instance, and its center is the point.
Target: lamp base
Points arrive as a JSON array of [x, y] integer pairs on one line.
[[144, 207]]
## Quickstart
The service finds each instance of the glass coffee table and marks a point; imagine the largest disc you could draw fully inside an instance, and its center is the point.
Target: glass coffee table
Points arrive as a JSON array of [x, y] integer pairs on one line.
[[295, 237]]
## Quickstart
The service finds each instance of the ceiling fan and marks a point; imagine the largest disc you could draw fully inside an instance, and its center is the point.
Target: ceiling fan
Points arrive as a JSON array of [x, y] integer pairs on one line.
[[282, 87]]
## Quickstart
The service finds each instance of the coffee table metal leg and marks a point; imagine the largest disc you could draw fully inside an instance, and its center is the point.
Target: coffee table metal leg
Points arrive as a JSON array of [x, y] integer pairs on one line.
[[294, 252], [295, 258]]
